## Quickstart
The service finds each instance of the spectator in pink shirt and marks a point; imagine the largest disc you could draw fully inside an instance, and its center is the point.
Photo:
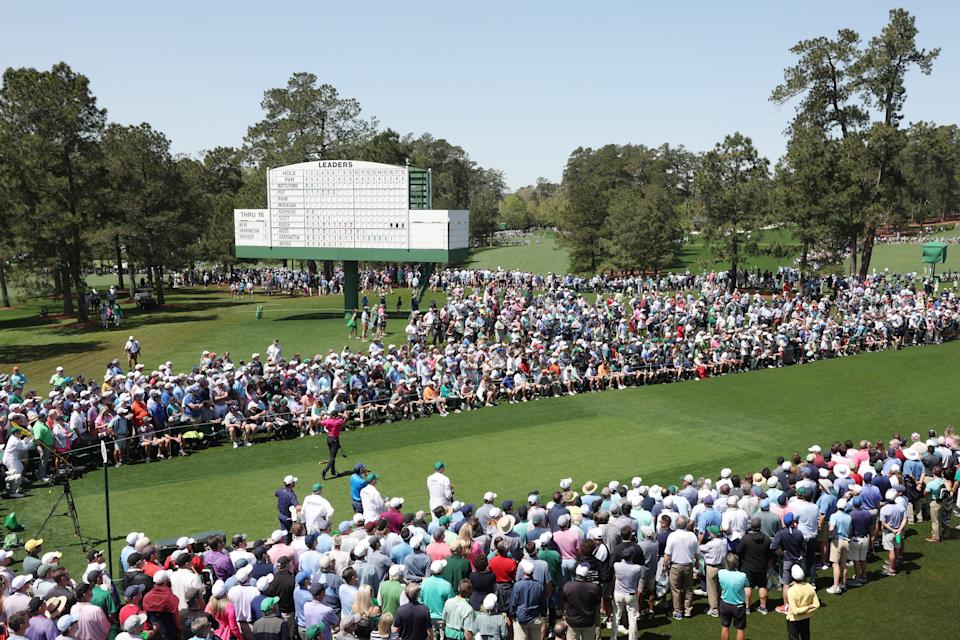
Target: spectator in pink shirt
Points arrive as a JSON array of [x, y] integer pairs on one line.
[[568, 542], [92, 622]]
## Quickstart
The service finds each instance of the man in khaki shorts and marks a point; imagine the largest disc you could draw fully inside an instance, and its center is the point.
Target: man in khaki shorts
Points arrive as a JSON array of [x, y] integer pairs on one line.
[[860, 529], [840, 525]]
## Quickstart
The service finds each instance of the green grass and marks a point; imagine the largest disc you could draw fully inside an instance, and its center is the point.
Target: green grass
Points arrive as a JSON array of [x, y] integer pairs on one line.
[[193, 320], [659, 433], [542, 256], [904, 258]]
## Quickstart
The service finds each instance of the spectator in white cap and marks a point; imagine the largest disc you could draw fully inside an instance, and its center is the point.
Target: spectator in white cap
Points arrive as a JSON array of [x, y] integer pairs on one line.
[[434, 592], [223, 612], [489, 623], [132, 351], [802, 601], [892, 520], [567, 540], [316, 512], [483, 511], [679, 555], [131, 547], [391, 590], [241, 595], [67, 626], [19, 597], [417, 562], [287, 504], [162, 606], [582, 598]]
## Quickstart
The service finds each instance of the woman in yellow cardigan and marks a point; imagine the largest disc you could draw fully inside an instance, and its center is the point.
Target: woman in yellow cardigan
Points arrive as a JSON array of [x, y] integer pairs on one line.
[[802, 601]]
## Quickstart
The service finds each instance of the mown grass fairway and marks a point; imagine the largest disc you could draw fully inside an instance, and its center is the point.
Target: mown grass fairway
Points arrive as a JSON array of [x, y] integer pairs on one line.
[[661, 432]]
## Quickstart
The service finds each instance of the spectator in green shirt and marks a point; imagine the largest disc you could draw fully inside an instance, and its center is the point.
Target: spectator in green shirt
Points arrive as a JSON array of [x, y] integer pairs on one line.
[[390, 590], [458, 615], [458, 567], [101, 597], [43, 435], [435, 591]]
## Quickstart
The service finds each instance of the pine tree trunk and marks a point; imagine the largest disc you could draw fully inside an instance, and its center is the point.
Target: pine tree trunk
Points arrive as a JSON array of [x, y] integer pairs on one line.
[[867, 252], [159, 284], [116, 244], [4, 294], [66, 289], [132, 274], [853, 254]]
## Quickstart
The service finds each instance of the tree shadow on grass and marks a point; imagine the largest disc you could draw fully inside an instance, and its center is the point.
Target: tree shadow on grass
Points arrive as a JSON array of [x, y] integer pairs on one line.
[[27, 322], [135, 322], [332, 314], [16, 353]]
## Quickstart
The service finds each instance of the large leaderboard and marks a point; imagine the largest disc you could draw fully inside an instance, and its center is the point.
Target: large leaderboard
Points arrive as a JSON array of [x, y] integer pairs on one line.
[[351, 210]]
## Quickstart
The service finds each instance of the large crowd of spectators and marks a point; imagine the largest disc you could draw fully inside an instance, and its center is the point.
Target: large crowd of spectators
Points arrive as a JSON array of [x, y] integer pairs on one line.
[[560, 563], [497, 337]]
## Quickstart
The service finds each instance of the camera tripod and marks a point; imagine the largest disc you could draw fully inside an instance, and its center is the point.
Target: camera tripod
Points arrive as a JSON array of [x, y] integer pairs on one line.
[[71, 512]]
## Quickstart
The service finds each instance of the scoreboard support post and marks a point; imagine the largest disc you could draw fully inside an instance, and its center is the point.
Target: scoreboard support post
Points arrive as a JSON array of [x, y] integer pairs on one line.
[[350, 211], [351, 286]]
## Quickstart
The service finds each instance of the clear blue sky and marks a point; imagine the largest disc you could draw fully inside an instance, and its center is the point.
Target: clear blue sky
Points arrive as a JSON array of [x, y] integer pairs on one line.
[[517, 84]]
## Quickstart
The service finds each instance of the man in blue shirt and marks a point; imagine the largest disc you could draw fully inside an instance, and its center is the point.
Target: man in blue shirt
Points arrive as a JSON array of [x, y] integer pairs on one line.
[[861, 528], [710, 517], [826, 505], [286, 498], [357, 483], [790, 545], [840, 527], [526, 604]]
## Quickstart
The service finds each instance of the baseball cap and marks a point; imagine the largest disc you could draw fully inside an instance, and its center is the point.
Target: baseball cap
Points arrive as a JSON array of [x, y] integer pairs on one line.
[[19, 582], [315, 631], [316, 487], [439, 464], [288, 480], [372, 476], [788, 518], [32, 544], [268, 604], [133, 622], [133, 590], [64, 622]]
